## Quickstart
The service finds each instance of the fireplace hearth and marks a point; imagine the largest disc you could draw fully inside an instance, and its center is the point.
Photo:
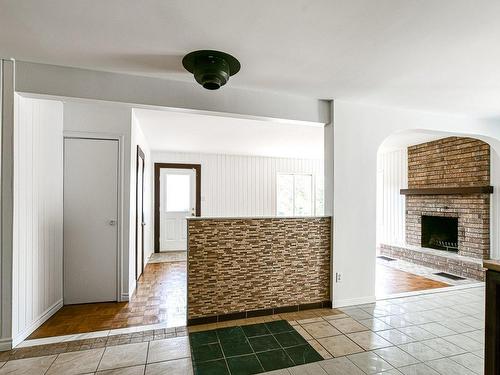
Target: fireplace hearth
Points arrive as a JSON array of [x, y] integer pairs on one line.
[[439, 232]]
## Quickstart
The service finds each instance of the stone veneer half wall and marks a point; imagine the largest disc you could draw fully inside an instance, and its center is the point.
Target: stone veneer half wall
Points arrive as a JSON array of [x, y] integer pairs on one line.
[[240, 265]]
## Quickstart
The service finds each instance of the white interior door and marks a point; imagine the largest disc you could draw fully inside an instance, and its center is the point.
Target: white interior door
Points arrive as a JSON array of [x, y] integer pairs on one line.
[[90, 220], [177, 202], [140, 218]]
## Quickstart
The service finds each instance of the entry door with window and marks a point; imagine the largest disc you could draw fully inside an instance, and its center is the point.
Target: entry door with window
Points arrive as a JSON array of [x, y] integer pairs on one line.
[[177, 202]]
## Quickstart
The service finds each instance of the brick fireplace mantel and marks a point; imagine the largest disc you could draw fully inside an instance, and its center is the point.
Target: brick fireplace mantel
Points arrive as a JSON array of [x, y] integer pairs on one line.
[[449, 178], [454, 173], [466, 190]]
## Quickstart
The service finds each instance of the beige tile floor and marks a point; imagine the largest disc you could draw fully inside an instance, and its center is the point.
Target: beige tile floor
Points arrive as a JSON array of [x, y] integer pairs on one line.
[[441, 333]]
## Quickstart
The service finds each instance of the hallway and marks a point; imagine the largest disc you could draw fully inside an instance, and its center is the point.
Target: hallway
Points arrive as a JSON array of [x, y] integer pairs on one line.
[[160, 297]]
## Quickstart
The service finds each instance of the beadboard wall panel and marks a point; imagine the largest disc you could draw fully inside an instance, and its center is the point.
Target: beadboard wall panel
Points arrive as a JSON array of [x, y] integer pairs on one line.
[[38, 213], [238, 185], [391, 177]]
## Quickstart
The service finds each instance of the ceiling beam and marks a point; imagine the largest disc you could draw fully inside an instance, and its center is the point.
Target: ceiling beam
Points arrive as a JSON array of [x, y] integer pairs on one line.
[[71, 82]]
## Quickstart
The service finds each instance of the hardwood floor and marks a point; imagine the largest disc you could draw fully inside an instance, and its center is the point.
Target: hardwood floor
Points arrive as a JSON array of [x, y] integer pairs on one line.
[[160, 297], [391, 281]]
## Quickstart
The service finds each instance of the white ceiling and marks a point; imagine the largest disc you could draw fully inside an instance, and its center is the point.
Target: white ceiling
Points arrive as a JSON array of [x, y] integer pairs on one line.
[[438, 55], [178, 131]]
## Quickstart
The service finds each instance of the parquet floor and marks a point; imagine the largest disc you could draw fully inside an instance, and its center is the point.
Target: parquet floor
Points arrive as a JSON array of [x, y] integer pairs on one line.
[[160, 297], [391, 281]]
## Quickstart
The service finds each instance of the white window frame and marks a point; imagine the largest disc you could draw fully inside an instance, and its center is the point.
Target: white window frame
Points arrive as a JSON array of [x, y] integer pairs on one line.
[[313, 191]]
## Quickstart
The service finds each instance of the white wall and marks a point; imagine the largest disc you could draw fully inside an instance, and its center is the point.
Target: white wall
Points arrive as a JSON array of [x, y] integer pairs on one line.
[[138, 139], [96, 119], [358, 132], [38, 214], [392, 175], [236, 185]]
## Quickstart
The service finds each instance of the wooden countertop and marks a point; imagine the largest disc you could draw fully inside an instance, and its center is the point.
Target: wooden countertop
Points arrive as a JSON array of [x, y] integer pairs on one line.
[[493, 265]]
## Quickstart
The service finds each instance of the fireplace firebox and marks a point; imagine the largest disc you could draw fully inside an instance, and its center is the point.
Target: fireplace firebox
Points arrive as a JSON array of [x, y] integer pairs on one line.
[[439, 232]]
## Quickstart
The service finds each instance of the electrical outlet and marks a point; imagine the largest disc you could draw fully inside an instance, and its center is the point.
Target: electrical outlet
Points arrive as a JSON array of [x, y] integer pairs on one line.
[[338, 277]]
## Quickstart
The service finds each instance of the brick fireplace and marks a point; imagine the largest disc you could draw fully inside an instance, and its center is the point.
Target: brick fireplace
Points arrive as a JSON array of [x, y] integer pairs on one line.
[[447, 206]]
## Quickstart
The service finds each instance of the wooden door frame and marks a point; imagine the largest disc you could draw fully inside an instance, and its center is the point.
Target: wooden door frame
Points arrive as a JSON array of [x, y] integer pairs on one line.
[[158, 168], [140, 155]]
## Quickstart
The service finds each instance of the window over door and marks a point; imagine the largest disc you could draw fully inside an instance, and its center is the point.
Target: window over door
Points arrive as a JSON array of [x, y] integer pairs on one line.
[[295, 195]]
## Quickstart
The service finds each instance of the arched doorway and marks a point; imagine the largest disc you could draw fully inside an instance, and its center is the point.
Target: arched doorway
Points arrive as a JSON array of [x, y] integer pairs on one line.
[[460, 223]]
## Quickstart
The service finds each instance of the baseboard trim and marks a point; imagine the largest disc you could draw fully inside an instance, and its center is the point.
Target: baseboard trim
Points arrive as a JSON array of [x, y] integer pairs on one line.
[[256, 313], [354, 301], [37, 323], [5, 344]]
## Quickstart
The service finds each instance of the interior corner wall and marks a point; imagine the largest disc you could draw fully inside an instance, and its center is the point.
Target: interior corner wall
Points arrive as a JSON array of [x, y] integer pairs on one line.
[[38, 214], [392, 176], [359, 130], [108, 120], [138, 139]]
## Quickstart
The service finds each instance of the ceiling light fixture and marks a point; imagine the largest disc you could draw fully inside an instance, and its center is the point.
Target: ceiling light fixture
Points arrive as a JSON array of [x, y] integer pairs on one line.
[[211, 69]]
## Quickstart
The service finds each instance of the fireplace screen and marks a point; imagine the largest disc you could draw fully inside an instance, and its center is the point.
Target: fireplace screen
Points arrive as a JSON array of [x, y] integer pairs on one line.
[[440, 233]]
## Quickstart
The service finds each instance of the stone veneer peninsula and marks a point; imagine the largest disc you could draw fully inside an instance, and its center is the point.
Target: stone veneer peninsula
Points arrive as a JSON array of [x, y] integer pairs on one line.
[[245, 267]]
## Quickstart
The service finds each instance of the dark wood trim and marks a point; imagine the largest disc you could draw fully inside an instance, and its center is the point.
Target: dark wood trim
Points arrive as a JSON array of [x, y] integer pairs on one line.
[[232, 316], [140, 155], [309, 306], [449, 191], [158, 168], [255, 313], [492, 323]]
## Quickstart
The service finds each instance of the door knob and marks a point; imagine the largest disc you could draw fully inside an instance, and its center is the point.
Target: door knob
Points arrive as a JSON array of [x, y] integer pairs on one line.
[[112, 222]]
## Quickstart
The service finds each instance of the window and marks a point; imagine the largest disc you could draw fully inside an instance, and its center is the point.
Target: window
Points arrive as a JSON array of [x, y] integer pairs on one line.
[[294, 195], [178, 191]]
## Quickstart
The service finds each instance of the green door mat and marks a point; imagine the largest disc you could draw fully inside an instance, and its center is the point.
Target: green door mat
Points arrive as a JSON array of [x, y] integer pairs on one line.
[[252, 349]]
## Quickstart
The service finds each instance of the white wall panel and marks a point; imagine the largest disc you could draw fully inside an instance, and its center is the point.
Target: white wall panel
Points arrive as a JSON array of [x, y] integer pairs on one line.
[[392, 175], [236, 185], [38, 215]]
